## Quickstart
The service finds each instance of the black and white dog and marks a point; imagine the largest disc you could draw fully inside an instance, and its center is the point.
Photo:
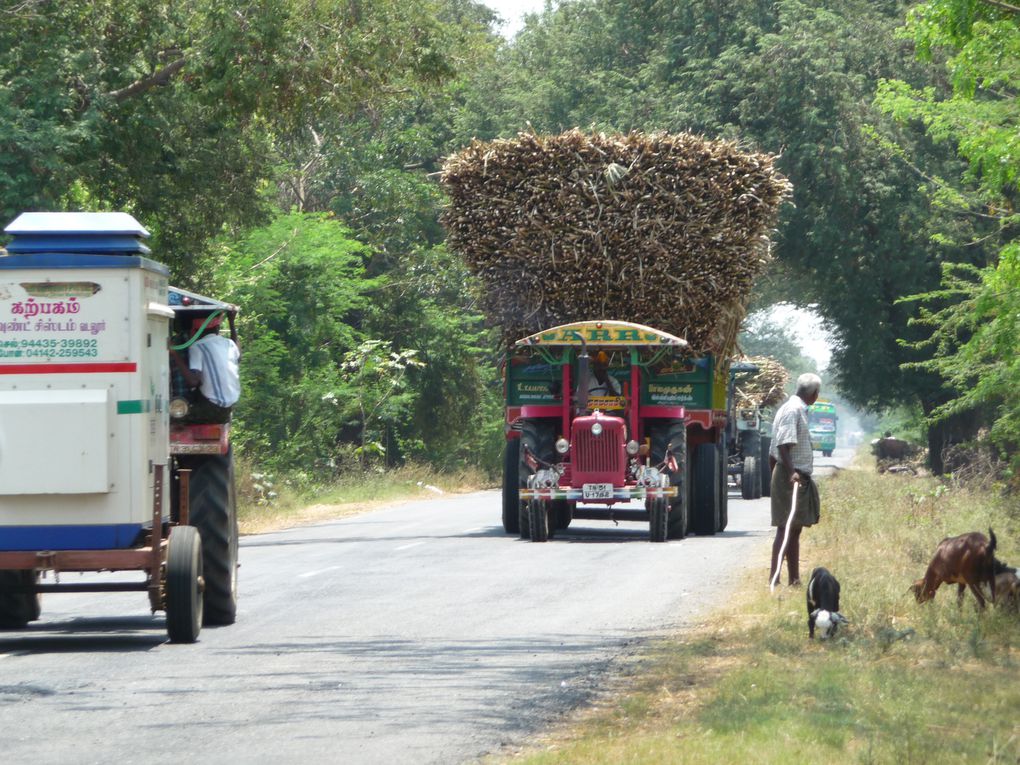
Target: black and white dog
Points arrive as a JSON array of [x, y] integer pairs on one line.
[[823, 604]]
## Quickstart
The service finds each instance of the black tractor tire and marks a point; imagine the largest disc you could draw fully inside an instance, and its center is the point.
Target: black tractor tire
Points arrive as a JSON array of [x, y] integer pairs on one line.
[[766, 471], [511, 487], [562, 514], [750, 443], [184, 585], [662, 433], [524, 519], [213, 512], [17, 609], [540, 438], [750, 479], [538, 511], [706, 507], [658, 519], [724, 489]]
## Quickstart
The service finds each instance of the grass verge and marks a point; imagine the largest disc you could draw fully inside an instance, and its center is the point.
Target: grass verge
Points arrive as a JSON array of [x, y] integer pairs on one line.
[[289, 507], [904, 683]]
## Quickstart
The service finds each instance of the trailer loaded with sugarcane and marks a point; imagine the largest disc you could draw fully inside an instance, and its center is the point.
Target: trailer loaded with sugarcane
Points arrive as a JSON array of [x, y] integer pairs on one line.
[[757, 384], [639, 247]]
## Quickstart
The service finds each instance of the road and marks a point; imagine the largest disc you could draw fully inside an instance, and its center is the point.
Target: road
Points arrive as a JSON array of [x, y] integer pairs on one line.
[[419, 633]]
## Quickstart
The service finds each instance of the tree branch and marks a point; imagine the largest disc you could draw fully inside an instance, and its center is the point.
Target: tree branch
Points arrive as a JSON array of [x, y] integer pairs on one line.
[[155, 80], [1003, 5]]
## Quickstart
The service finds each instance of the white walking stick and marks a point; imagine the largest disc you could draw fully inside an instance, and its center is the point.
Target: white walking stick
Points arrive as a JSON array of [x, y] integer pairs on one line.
[[786, 538]]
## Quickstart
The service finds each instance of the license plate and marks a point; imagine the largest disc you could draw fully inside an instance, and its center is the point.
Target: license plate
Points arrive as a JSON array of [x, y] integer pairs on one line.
[[597, 491]]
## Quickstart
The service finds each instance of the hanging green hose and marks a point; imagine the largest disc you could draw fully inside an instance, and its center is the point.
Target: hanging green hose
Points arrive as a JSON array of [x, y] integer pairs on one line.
[[198, 334]]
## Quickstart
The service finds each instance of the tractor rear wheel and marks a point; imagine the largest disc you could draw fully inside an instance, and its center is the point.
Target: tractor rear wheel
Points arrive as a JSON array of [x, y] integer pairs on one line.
[[214, 514], [706, 507], [750, 477], [766, 471], [511, 487], [723, 517]]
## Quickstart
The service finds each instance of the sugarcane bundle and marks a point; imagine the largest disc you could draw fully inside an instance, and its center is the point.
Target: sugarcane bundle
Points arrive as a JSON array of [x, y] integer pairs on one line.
[[668, 230], [766, 387]]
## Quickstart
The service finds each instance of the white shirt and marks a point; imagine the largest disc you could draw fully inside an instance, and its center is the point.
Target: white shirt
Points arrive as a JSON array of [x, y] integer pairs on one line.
[[217, 357], [790, 426]]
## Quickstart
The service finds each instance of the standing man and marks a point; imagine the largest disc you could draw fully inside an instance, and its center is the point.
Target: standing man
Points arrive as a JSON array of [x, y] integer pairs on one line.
[[792, 461]]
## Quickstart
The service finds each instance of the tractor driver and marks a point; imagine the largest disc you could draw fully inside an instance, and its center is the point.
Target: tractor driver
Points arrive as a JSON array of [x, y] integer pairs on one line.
[[600, 382], [211, 371]]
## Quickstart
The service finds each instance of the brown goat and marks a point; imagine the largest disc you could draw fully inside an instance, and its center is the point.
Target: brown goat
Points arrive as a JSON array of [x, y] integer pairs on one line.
[[967, 561]]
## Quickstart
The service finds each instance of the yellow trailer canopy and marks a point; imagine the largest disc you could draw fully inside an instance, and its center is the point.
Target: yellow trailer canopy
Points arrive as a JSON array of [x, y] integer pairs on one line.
[[602, 333]]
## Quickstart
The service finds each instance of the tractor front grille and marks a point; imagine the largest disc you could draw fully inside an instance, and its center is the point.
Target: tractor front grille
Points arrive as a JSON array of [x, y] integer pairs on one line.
[[601, 458]]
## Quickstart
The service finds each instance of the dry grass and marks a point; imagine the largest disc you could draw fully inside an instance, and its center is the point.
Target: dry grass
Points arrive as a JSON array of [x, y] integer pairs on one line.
[[352, 496], [904, 683]]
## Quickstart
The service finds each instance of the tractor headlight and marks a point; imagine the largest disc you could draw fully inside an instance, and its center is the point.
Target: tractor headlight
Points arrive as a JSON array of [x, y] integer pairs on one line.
[[633, 447], [178, 408], [562, 446], [596, 429]]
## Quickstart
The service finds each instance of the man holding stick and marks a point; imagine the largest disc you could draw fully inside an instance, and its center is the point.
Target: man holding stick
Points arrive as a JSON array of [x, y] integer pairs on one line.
[[792, 460]]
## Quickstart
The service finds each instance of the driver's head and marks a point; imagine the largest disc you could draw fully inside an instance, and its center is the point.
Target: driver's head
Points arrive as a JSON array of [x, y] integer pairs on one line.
[[212, 326], [601, 360]]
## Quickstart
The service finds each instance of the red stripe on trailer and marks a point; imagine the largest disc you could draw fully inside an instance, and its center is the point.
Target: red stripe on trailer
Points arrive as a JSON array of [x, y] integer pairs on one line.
[[61, 369]]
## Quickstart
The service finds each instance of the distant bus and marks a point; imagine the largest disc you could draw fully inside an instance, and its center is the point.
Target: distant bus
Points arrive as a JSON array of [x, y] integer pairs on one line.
[[822, 425]]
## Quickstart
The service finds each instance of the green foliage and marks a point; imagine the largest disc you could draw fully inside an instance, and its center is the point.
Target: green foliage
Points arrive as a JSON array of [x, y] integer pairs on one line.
[[973, 317], [301, 284], [766, 335], [376, 391], [172, 110]]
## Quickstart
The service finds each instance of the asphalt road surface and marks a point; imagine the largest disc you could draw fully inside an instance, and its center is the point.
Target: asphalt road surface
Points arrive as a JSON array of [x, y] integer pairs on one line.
[[419, 633]]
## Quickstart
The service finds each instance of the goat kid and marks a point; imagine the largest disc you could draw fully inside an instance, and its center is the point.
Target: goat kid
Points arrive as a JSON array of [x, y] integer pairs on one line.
[[1007, 587], [967, 560], [823, 604]]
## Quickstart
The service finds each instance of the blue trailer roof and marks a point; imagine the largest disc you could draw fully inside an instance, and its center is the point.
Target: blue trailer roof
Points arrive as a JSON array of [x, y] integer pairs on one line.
[[113, 233]]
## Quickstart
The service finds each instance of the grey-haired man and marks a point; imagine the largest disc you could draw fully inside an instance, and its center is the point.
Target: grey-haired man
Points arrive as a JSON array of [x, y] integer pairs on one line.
[[792, 460]]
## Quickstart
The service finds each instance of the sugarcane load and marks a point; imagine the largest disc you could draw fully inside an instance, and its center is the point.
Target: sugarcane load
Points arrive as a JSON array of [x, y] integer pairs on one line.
[[656, 237]]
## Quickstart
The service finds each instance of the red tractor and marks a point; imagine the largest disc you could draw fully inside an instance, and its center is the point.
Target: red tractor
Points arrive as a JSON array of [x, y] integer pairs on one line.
[[201, 456], [572, 454]]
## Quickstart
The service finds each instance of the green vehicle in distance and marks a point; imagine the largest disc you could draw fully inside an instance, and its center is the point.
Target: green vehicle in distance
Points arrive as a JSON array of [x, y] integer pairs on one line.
[[822, 421]]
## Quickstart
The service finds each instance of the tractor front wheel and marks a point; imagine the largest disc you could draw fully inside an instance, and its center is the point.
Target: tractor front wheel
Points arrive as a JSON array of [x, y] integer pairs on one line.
[[17, 609], [658, 519], [184, 584], [539, 517]]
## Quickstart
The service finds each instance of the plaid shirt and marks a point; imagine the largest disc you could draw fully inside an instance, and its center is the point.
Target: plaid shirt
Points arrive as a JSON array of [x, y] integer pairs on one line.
[[791, 427]]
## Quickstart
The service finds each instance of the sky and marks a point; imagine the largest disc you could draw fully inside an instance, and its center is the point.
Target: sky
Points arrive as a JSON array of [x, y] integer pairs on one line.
[[809, 329], [513, 12]]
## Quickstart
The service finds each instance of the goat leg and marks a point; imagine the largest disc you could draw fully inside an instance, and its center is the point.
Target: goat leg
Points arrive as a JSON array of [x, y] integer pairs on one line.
[[977, 594]]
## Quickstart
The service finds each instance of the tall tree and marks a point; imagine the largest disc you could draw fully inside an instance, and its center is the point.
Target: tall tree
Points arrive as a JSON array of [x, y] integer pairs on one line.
[[170, 110], [973, 316]]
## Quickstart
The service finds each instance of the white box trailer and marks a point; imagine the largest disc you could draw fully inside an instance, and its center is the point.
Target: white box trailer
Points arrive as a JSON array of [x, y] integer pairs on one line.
[[84, 381]]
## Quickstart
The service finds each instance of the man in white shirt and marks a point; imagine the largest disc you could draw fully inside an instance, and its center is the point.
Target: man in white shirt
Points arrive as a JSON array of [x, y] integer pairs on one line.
[[792, 461], [212, 371]]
